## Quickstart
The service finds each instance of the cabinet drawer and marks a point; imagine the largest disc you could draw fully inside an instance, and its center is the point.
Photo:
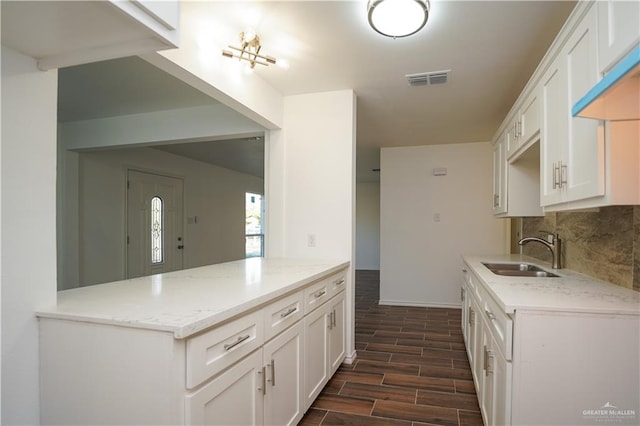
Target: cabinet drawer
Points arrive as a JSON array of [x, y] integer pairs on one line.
[[499, 325], [316, 294], [282, 313], [337, 283], [209, 353]]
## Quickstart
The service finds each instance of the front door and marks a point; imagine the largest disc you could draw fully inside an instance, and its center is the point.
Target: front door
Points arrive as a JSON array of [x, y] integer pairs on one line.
[[154, 224]]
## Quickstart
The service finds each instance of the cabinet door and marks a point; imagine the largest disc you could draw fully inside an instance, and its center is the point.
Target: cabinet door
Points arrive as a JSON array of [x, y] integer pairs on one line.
[[316, 371], [499, 177], [283, 358], [476, 359], [618, 30], [582, 173], [337, 312], [501, 376], [233, 398], [553, 130], [464, 297], [529, 124]]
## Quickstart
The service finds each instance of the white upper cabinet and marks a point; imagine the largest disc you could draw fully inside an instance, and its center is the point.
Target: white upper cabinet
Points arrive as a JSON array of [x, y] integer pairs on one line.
[[619, 30], [526, 126], [65, 33]]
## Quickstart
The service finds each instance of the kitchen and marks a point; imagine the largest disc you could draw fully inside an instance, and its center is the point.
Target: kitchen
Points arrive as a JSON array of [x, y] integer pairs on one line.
[[37, 285]]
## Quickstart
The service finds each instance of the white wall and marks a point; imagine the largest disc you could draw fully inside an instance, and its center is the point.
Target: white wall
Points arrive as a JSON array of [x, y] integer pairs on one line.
[[29, 98], [420, 259], [311, 184], [368, 225], [214, 194]]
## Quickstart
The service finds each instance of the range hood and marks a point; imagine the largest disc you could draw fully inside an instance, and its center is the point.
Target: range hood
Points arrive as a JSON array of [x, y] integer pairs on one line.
[[617, 96]]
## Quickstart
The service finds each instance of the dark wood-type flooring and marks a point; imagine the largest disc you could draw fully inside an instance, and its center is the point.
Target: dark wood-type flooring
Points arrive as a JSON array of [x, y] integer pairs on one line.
[[411, 368]]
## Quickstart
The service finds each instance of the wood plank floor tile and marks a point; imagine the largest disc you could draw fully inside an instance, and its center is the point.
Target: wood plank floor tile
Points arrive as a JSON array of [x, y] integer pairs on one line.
[[470, 418], [374, 356], [420, 360], [333, 418], [343, 404], [443, 353], [465, 386], [386, 367], [379, 392], [451, 400], [375, 339], [417, 382], [451, 373], [380, 347], [359, 377], [413, 412], [313, 417]]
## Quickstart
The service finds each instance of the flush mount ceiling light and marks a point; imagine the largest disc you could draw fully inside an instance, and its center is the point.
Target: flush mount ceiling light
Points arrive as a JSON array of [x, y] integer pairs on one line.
[[398, 18], [249, 51]]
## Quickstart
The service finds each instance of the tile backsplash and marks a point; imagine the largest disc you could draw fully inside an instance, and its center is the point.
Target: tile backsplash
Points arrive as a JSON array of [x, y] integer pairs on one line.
[[604, 244]]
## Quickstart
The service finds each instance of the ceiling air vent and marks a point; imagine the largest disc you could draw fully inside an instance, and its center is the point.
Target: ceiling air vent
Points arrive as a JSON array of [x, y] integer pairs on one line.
[[428, 78]]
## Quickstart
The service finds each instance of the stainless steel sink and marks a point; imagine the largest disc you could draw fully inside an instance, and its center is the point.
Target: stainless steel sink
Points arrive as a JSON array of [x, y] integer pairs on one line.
[[518, 270]]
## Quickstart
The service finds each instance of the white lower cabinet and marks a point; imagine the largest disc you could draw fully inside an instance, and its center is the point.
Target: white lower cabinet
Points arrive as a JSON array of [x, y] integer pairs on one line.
[[217, 403], [324, 345], [268, 383], [543, 367], [284, 374]]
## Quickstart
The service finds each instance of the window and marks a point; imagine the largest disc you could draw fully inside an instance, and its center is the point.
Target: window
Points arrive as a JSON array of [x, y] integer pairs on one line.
[[254, 235], [157, 230]]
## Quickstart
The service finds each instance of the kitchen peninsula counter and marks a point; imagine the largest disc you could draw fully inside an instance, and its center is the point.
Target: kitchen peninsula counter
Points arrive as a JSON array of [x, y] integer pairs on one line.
[[189, 301]]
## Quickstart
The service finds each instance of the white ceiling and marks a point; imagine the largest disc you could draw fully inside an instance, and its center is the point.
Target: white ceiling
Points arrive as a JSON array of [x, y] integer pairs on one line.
[[491, 48]]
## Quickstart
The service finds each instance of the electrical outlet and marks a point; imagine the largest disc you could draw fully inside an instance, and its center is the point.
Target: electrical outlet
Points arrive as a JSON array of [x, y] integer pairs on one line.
[[311, 240]]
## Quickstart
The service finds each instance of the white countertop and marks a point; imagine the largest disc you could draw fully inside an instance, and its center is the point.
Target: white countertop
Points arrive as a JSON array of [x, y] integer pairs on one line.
[[571, 292], [188, 301]]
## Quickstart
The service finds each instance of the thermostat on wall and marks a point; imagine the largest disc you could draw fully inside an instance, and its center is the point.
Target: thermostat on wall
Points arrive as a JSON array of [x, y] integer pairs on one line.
[[440, 171]]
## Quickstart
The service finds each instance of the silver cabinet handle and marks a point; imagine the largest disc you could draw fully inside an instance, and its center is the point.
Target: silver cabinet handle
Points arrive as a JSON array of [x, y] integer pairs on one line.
[[334, 318], [320, 294], [237, 342], [555, 175], [490, 314], [462, 294], [339, 282], [273, 373], [563, 175], [289, 312], [330, 326], [472, 315]]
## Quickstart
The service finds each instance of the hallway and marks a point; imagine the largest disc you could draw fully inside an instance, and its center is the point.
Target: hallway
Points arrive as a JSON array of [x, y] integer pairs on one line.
[[411, 368]]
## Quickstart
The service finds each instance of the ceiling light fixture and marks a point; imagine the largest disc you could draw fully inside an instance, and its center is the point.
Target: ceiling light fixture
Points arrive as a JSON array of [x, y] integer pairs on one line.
[[398, 18], [249, 51]]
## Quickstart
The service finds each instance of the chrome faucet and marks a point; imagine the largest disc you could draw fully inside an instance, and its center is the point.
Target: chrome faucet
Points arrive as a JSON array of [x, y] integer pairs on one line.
[[555, 247]]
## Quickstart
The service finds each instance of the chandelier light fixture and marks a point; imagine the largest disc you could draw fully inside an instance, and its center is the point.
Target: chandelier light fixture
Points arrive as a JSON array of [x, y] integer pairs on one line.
[[249, 51], [398, 18]]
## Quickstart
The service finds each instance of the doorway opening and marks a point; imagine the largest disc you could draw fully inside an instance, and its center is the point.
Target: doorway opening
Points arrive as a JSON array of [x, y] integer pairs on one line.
[[254, 231]]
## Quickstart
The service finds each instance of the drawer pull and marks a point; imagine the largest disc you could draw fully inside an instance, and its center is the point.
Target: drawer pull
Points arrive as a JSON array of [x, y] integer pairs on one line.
[[320, 294], [490, 315], [289, 312], [339, 282], [236, 343]]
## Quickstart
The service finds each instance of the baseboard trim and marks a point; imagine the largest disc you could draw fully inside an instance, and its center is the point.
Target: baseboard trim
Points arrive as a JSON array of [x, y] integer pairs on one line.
[[350, 359], [419, 304]]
